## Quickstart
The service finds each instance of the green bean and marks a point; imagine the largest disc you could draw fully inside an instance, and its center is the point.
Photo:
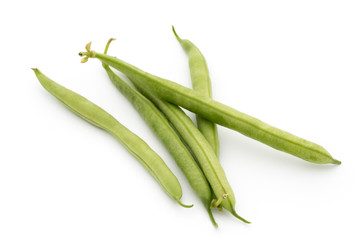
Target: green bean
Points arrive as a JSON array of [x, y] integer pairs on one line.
[[162, 128], [135, 145], [200, 147], [220, 113], [201, 83]]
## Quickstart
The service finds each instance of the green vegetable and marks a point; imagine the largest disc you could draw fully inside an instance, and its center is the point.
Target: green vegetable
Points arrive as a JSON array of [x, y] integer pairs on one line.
[[162, 128], [135, 145], [220, 113], [202, 84], [200, 147]]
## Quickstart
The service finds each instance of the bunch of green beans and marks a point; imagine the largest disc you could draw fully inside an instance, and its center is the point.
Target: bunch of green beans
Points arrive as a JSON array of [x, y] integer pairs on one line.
[[194, 148]]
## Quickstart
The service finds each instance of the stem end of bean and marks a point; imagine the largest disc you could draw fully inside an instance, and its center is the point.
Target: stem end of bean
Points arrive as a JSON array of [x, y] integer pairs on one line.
[[217, 202], [88, 54]]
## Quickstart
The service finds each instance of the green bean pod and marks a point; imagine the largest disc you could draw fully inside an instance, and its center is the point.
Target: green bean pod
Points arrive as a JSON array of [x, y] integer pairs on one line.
[[162, 128], [135, 145], [220, 113], [201, 83], [201, 148]]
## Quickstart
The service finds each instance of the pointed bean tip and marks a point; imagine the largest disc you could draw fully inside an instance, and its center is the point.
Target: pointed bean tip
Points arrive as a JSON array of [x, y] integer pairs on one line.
[[336, 162], [208, 209], [184, 205], [36, 70], [108, 44], [175, 33], [238, 217]]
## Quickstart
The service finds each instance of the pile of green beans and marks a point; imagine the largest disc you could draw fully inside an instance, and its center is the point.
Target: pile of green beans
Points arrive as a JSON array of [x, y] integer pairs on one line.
[[195, 149]]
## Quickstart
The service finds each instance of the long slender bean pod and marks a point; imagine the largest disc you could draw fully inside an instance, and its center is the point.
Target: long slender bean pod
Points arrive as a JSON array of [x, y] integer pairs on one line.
[[220, 113], [162, 128], [201, 83], [200, 147], [135, 145]]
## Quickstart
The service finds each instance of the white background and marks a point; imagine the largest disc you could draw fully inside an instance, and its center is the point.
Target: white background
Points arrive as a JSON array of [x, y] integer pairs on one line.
[[292, 64]]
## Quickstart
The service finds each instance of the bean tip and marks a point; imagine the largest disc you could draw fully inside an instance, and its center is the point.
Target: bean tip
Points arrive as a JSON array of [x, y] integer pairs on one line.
[[176, 35], [35, 70], [184, 205], [336, 162], [208, 209], [108, 44], [238, 217]]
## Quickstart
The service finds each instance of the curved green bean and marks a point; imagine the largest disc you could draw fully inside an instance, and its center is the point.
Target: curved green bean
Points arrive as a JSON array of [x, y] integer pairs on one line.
[[162, 128], [200, 147], [220, 113], [135, 145], [201, 83]]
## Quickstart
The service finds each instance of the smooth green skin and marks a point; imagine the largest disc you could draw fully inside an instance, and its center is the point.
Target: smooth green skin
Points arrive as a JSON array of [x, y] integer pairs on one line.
[[201, 83], [220, 113], [162, 128], [201, 148], [135, 145]]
